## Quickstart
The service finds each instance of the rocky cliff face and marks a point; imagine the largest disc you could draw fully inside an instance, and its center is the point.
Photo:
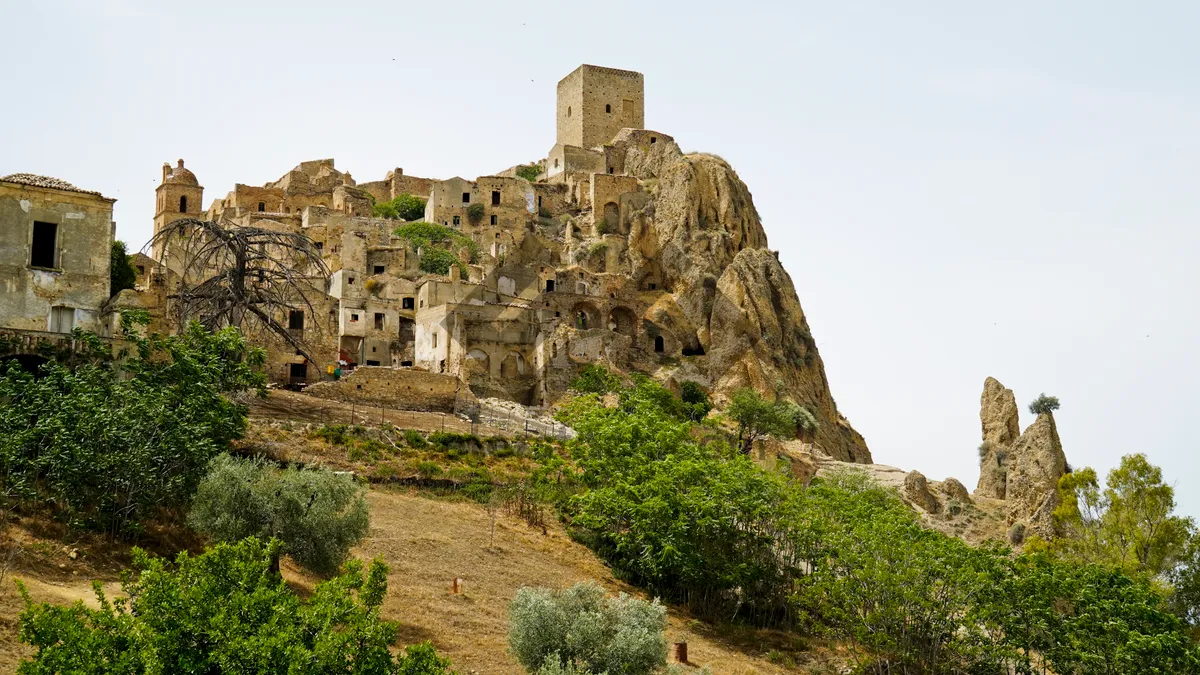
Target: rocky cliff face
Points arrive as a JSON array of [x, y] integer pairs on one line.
[[1024, 469], [729, 298]]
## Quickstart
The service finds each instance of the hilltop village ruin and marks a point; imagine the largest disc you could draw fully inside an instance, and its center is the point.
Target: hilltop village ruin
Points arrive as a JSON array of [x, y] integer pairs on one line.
[[617, 249]]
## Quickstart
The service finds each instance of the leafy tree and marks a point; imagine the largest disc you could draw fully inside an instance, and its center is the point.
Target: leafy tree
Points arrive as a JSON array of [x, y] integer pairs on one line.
[[317, 514], [580, 630], [224, 611], [439, 261], [1185, 584], [595, 379], [403, 207], [1048, 615], [1129, 525], [696, 401], [102, 447], [122, 274], [1044, 404], [757, 417], [893, 590], [691, 521]]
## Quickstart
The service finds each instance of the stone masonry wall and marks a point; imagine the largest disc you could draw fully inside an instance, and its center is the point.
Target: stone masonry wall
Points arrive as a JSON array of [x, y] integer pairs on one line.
[[402, 389]]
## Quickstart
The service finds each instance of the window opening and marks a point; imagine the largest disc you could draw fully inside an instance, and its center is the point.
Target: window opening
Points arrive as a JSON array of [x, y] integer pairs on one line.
[[296, 319], [378, 323], [406, 303], [607, 107], [379, 269], [262, 206], [493, 222], [466, 197], [549, 285], [183, 204], [45, 244], [495, 198], [659, 343]]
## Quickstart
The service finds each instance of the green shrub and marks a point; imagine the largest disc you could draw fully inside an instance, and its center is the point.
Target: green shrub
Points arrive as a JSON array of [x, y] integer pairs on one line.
[[439, 261], [504, 451], [696, 400], [1044, 404], [595, 379], [1016, 534], [530, 172], [984, 449], [403, 207], [335, 434], [427, 469], [586, 632], [317, 514], [414, 439], [445, 438], [421, 234], [223, 611], [475, 213], [122, 274]]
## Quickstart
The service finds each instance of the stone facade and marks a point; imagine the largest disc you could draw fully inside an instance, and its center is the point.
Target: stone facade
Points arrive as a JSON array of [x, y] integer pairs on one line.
[[55, 241], [594, 103]]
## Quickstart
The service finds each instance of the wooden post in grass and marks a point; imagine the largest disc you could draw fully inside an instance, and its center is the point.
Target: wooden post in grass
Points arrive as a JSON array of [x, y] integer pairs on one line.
[[681, 652]]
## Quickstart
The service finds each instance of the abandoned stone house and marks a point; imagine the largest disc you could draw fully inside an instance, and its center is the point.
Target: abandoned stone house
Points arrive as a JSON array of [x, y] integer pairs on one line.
[[54, 255]]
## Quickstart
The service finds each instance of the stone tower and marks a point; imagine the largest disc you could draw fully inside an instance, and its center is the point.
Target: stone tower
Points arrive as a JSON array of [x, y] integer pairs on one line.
[[178, 196], [594, 103]]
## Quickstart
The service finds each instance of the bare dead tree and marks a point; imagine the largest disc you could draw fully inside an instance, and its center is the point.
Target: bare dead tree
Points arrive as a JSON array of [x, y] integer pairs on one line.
[[244, 277]]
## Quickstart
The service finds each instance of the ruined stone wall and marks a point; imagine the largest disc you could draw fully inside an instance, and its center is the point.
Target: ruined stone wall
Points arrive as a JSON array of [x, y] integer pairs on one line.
[[78, 281], [401, 388], [605, 199]]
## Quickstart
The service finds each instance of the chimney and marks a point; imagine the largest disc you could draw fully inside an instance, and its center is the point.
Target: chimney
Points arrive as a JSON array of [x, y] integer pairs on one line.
[[181, 164], [166, 171]]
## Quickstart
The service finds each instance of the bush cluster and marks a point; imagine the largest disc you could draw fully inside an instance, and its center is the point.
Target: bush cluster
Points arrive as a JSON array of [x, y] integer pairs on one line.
[[1044, 404], [224, 611], [580, 630], [530, 172], [595, 379], [102, 445], [403, 207], [316, 514], [694, 521]]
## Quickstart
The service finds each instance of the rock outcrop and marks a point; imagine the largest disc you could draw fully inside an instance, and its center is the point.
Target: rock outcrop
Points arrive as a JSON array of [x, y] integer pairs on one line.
[[916, 490], [1036, 465], [728, 298], [999, 417], [1023, 469]]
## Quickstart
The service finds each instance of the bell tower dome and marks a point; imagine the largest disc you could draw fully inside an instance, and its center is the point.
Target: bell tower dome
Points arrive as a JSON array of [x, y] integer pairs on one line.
[[179, 195]]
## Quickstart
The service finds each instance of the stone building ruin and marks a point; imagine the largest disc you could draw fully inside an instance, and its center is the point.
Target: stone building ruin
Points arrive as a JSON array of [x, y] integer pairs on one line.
[[623, 251]]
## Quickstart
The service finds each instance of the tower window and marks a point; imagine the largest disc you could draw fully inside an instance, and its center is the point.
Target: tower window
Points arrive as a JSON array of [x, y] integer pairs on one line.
[[493, 221], [183, 204], [262, 206], [607, 108], [466, 197], [653, 140], [296, 319], [379, 320], [45, 244], [568, 111], [495, 198], [610, 169]]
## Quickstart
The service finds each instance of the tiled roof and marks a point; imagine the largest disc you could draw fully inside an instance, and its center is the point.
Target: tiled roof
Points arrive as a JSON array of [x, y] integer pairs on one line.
[[45, 182]]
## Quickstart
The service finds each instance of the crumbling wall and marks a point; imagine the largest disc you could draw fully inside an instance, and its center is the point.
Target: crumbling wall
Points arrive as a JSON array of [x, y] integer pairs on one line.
[[399, 388]]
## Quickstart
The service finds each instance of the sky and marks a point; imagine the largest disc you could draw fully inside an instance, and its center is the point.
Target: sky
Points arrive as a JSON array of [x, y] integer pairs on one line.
[[958, 190]]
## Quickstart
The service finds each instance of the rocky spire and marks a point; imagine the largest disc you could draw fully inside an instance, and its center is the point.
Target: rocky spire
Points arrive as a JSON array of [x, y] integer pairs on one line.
[[999, 417]]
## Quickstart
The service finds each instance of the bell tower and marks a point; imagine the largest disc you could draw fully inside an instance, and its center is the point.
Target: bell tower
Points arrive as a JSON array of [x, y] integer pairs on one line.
[[179, 195]]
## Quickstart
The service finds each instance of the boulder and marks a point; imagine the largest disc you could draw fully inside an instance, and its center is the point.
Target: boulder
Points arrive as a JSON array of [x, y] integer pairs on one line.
[[953, 489], [916, 490]]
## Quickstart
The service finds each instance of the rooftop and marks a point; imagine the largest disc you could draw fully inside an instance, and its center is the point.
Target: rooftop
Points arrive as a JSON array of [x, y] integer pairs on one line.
[[35, 180]]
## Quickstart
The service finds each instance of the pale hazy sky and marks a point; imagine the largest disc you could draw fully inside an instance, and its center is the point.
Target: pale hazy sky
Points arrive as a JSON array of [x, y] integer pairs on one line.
[[957, 192]]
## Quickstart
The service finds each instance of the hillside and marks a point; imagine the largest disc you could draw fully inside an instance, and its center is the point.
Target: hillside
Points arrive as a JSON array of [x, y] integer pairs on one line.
[[427, 543]]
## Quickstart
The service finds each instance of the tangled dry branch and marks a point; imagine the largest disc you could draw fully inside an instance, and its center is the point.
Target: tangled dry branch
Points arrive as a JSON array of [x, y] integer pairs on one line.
[[247, 277]]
